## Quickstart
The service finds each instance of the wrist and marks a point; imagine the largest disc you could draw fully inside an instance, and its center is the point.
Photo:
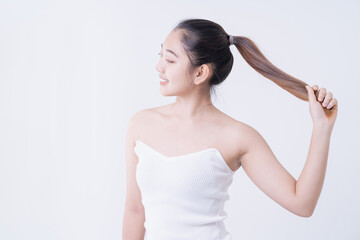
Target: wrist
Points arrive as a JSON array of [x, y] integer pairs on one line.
[[321, 126]]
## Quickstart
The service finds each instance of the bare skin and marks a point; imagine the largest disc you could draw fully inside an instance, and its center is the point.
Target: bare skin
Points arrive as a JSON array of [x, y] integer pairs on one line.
[[192, 123]]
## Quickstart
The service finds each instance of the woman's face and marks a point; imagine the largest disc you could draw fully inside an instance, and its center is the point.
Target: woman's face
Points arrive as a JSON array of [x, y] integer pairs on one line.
[[173, 66]]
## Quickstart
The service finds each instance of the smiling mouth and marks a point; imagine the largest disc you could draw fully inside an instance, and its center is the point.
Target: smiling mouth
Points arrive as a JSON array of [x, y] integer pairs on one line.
[[164, 81]]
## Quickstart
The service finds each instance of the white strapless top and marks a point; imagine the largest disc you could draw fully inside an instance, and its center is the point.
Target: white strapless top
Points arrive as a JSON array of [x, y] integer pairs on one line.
[[183, 195]]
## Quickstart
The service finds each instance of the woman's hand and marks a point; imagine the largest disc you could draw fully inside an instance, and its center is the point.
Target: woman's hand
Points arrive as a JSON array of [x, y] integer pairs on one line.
[[324, 109]]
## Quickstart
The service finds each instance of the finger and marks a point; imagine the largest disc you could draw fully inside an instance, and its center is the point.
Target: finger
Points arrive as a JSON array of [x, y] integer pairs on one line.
[[315, 87], [322, 93], [333, 104], [316, 90], [327, 99], [311, 94]]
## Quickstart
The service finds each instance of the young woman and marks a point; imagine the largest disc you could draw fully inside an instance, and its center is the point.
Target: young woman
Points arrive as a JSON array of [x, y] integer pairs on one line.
[[181, 157]]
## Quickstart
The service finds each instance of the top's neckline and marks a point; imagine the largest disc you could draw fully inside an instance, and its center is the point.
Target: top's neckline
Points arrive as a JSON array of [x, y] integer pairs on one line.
[[188, 154]]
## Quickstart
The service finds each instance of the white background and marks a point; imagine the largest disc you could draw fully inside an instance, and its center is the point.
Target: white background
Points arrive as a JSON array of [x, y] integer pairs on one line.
[[72, 73]]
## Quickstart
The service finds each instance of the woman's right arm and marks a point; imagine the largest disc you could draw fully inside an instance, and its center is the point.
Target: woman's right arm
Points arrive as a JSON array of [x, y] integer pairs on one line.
[[134, 213]]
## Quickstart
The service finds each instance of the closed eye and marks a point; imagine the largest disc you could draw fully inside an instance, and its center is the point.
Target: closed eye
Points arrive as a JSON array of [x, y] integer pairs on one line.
[[166, 59]]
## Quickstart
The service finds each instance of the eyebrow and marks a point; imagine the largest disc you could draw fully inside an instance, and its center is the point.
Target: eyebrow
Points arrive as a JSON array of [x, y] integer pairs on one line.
[[170, 51]]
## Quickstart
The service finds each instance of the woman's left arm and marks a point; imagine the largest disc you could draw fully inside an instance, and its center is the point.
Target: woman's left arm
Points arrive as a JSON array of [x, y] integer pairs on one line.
[[323, 113], [260, 164]]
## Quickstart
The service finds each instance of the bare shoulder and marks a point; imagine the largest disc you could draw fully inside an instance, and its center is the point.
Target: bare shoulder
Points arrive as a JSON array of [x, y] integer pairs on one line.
[[249, 142], [141, 114], [238, 136], [239, 129], [143, 118]]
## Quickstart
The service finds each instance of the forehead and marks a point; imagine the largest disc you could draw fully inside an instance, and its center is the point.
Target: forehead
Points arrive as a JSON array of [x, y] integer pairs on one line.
[[172, 42]]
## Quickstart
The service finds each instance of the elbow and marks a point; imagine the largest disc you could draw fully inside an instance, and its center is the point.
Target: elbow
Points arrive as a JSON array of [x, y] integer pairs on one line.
[[305, 212], [303, 208]]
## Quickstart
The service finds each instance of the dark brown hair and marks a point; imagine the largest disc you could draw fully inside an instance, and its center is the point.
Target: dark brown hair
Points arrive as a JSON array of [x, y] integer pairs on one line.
[[206, 42]]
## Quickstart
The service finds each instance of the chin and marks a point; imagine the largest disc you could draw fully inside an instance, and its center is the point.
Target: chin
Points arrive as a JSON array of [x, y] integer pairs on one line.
[[165, 92]]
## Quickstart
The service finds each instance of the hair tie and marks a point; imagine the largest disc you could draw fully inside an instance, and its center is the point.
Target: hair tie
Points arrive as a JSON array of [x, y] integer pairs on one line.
[[231, 39]]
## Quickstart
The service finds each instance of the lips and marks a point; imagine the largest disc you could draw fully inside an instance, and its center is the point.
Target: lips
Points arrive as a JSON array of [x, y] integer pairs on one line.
[[163, 78]]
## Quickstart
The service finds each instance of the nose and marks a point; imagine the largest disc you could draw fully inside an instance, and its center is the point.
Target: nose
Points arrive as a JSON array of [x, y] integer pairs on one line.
[[159, 67]]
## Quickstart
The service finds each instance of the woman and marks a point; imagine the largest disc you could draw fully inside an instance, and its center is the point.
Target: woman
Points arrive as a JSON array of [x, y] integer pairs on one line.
[[181, 157]]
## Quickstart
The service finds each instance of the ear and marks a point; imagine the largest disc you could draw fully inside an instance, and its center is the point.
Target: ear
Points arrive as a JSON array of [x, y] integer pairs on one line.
[[202, 74]]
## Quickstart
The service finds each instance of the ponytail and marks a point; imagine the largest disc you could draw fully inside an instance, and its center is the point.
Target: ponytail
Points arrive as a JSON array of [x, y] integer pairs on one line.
[[205, 42], [258, 61]]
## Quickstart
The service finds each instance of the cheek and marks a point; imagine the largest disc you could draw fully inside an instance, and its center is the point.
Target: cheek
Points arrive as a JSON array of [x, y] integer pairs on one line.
[[176, 73]]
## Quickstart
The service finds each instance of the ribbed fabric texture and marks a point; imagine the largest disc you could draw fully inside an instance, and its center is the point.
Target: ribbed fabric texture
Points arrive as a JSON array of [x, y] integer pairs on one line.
[[184, 195]]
